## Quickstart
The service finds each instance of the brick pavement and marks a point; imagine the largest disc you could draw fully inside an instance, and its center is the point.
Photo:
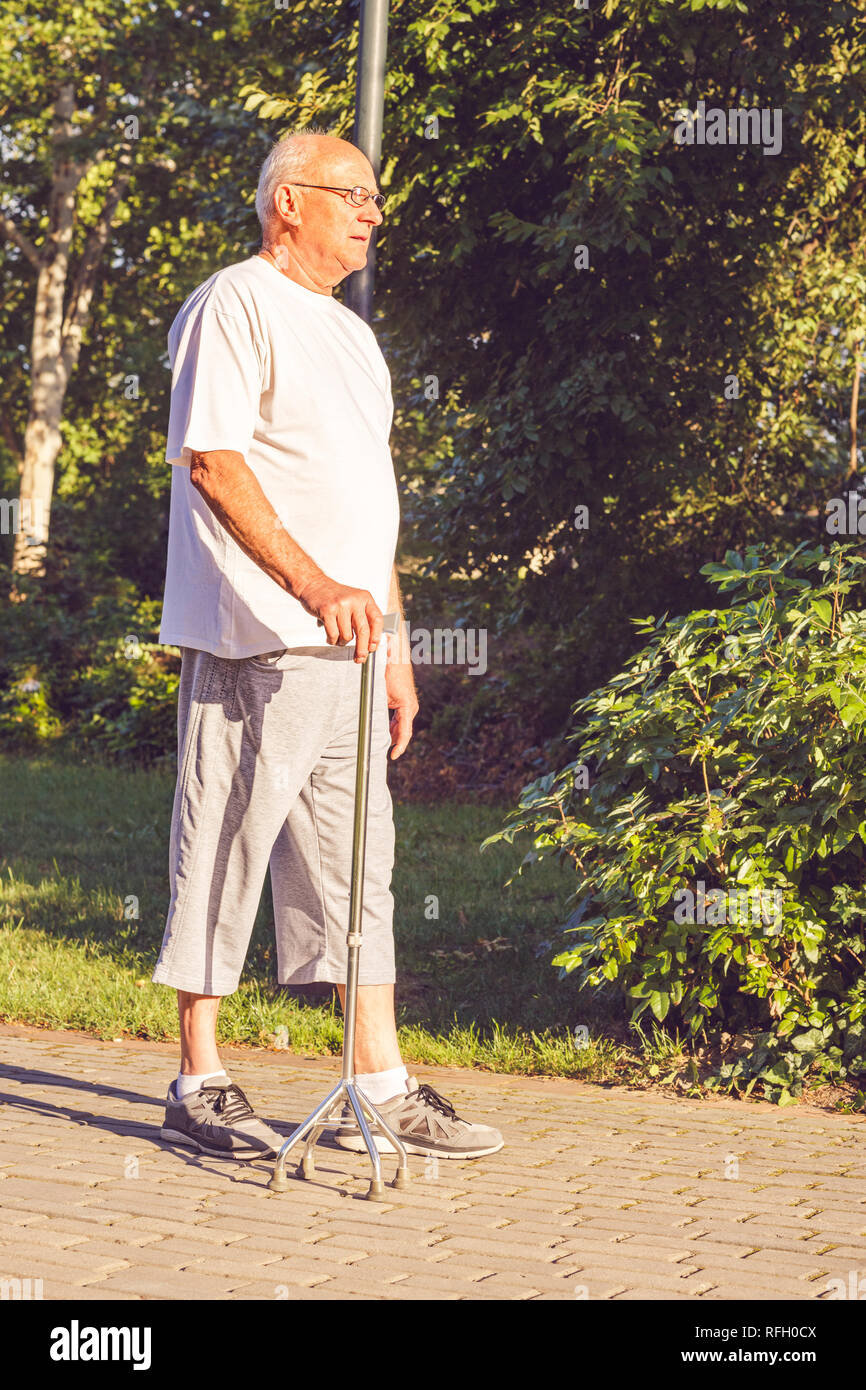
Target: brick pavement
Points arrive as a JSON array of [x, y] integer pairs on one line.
[[599, 1193]]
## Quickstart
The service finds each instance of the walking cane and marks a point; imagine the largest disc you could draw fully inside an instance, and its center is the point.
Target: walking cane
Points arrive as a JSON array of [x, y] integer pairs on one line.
[[347, 1089]]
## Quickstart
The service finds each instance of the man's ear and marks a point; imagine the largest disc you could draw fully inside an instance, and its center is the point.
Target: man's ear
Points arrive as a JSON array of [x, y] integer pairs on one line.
[[286, 206]]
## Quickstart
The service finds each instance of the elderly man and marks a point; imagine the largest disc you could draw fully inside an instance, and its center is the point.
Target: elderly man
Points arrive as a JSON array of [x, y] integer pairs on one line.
[[283, 527]]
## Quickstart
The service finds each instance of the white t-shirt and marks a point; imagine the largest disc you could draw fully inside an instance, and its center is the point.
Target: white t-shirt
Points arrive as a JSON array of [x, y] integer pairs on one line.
[[295, 382]]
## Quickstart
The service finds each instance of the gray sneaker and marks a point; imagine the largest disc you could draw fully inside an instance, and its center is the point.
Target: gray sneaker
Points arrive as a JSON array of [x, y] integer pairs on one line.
[[427, 1123], [218, 1120]]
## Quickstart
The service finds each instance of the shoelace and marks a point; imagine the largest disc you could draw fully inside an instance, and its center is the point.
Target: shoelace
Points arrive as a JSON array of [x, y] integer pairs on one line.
[[230, 1103], [433, 1098]]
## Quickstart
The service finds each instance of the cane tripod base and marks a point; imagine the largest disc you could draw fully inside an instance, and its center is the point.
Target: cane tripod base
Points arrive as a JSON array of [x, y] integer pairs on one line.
[[346, 1090], [321, 1118]]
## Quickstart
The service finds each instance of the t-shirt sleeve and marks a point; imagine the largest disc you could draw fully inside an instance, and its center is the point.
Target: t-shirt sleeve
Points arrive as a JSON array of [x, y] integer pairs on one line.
[[216, 386]]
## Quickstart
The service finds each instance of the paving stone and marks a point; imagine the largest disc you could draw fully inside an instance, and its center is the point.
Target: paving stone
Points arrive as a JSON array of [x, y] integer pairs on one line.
[[74, 1258], [96, 1293], [279, 1293], [141, 1256], [57, 1280], [619, 1193], [302, 1270], [169, 1283], [348, 1287]]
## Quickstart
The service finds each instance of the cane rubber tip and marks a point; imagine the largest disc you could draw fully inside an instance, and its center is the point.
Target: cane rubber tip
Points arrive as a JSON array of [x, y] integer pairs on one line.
[[278, 1184], [402, 1180], [376, 1191]]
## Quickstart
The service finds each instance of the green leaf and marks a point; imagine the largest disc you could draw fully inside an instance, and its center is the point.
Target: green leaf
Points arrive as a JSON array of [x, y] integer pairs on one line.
[[660, 1003], [823, 608]]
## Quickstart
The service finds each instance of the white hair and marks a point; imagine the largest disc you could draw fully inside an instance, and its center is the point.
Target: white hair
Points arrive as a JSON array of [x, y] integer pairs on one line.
[[289, 159]]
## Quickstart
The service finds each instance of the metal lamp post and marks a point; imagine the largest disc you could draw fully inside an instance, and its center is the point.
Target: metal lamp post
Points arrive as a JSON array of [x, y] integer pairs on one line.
[[367, 133]]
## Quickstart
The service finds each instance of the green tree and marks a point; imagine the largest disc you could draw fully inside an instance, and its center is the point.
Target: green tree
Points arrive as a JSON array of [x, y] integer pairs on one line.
[[526, 388], [103, 108], [605, 387]]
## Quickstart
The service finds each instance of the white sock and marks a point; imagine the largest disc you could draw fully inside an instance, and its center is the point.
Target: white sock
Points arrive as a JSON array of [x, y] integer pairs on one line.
[[185, 1085], [383, 1085]]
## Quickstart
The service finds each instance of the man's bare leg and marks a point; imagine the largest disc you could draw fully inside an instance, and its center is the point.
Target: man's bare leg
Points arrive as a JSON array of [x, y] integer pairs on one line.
[[198, 1048], [377, 1051], [376, 1046]]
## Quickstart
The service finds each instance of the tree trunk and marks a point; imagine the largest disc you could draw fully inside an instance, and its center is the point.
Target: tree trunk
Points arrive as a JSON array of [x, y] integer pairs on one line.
[[56, 339], [48, 372]]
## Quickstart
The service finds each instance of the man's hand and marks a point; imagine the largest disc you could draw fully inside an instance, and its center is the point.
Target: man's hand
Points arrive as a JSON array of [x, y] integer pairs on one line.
[[400, 685], [343, 612]]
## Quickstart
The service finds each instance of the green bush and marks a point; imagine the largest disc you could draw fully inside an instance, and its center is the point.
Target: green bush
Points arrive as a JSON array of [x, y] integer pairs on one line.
[[715, 818], [83, 670], [26, 718]]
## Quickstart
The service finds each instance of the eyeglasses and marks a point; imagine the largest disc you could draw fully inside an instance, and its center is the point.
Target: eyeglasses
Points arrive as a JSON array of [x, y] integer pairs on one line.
[[358, 195]]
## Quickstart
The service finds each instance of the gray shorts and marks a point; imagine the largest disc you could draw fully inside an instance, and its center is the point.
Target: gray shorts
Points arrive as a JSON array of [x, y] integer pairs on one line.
[[267, 749]]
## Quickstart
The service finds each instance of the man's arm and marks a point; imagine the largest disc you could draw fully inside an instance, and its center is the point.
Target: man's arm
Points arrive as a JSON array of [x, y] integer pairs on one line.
[[399, 677], [395, 605], [232, 491]]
